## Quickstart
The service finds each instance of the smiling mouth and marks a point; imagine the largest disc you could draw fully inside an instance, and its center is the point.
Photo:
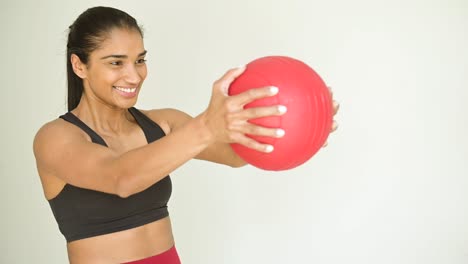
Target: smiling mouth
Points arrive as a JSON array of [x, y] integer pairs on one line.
[[125, 90]]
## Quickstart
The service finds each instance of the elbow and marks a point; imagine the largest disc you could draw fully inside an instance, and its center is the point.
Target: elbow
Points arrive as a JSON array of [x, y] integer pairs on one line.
[[122, 191], [124, 183], [123, 194], [123, 186], [238, 163]]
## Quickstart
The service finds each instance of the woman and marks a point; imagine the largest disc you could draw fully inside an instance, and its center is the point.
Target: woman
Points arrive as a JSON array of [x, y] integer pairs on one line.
[[104, 165]]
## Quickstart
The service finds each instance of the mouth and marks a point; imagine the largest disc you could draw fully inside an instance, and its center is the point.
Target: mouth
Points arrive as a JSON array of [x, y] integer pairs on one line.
[[126, 91]]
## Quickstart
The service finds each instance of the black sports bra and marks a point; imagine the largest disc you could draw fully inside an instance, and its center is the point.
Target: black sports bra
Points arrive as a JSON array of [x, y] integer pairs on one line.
[[83, 213]]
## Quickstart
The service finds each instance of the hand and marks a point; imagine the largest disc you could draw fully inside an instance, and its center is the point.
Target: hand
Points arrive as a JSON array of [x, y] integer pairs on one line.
[[227, 120], [336, 106]]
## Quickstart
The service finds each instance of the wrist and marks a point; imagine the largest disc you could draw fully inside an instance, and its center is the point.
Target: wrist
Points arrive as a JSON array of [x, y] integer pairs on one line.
[[202, 128]]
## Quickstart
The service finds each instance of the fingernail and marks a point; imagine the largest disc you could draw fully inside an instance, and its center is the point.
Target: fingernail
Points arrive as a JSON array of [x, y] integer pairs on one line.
[[336, 107], [273, 90], [335, 125], [269, 148], [282, 109], [280, 133]]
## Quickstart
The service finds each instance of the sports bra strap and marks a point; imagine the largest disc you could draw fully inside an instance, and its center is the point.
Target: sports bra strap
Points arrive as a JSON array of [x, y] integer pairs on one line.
[[151, 129], [70, 117]]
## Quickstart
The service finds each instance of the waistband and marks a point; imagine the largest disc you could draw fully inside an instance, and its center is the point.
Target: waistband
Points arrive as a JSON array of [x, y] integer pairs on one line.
[[167, 257]]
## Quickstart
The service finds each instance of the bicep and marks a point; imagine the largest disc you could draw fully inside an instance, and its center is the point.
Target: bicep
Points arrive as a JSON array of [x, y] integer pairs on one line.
[[169, 119], [69, 156]]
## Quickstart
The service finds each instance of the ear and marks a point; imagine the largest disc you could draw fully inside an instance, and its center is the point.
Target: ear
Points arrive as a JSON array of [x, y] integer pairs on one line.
[[78, 67]]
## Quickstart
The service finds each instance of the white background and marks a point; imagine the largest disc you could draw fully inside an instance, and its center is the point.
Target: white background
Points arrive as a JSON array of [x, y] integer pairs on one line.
[[391, 187]]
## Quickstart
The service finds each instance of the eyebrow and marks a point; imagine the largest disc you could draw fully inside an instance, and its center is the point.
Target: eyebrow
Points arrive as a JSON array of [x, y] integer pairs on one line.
[[117, 56]]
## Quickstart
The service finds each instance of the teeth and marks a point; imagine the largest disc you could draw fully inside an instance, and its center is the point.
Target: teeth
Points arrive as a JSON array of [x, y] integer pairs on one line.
[[126, 90]]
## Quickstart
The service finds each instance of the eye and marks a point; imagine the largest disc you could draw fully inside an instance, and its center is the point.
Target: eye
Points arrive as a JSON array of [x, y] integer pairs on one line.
[[116, 63], [141, 61]]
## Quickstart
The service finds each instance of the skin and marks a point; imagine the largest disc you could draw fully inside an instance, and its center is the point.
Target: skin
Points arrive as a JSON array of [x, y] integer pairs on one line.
[[65, 154]]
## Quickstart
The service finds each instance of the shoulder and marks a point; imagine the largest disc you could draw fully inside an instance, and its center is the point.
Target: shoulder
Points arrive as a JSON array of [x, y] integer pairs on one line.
[[50, 130], [167, 118], [56, 129], [54, 134]]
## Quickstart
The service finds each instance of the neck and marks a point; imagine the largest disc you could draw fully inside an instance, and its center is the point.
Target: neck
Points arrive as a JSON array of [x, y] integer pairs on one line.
[[103, 117]]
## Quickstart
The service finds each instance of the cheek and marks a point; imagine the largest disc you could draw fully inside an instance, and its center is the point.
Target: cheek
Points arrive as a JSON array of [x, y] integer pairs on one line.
[[109, 77], [104, 75], [143, 71]]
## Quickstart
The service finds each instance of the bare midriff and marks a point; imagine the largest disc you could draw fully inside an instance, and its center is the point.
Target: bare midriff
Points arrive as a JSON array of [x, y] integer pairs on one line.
[[123, 246]]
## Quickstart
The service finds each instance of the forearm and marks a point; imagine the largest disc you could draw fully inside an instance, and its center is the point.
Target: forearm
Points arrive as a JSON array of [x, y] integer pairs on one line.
[[221, 153], [142, 167]]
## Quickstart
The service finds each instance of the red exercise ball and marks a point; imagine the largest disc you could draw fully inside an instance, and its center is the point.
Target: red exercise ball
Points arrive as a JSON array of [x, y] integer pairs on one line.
[[307, 122]]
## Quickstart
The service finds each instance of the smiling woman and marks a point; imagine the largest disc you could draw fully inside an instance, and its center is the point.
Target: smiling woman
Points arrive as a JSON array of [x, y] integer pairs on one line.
[[104, 165], [118, 64], [119, 61]]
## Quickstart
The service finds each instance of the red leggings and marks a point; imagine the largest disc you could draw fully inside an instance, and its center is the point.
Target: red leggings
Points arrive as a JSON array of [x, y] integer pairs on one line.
[[168, 257]]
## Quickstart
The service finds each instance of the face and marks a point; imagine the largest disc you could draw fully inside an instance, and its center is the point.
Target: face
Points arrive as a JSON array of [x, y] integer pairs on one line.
[[115, 72]]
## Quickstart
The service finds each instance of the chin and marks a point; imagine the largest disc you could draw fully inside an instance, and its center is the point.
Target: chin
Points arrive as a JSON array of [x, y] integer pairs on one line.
[[125, 104]]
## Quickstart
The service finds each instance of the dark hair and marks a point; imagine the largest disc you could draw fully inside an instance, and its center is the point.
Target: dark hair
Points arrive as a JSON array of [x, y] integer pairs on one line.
[[86, 34]]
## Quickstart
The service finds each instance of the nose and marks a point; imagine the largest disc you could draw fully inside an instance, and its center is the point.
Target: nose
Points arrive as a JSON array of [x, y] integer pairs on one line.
[[132, 75]]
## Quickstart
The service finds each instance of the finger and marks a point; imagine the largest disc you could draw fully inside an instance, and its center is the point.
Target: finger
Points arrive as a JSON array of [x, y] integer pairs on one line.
[[257, 112], [330, 90], [255, 145], [336, 107], [325, 144], [229, 77], [334, 126], [254, 94], [255, 130]]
